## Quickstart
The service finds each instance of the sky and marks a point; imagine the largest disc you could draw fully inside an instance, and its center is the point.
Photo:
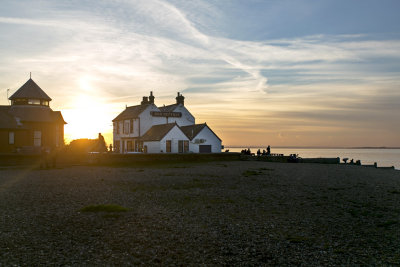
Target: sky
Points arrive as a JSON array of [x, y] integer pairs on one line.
[[273, 72]]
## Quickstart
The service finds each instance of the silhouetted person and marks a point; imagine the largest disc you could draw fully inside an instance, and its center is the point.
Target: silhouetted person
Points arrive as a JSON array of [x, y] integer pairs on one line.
[[264, 152], [111, 147], [268, 150], [249, 152], [258, 152], [351, 161], [101, 144]]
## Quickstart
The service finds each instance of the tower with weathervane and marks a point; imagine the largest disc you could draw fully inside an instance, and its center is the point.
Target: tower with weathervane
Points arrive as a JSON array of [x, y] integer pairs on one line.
[[29, 124]]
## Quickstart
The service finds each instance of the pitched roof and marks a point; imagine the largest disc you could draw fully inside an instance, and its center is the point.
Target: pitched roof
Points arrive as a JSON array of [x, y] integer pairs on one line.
[[168, 108], [191, 131], [7, 121], [30, 90], [57, 116], [130, 112], [35, 114], [157, 132]]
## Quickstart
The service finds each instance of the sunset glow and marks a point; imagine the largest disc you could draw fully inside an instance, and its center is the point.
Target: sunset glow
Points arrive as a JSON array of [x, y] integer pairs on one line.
[[88, 114], [318, 76]]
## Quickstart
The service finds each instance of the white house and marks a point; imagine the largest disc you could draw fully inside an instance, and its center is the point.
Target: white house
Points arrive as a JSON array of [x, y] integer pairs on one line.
[[167, 138], [202, 139], [167, 129]]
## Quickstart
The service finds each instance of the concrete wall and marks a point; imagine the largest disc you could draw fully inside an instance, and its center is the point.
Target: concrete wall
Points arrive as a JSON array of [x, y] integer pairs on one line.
[[210, 139]]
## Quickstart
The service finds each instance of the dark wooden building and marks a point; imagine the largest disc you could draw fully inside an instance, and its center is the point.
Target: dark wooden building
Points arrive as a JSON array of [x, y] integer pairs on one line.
[[29, 123]]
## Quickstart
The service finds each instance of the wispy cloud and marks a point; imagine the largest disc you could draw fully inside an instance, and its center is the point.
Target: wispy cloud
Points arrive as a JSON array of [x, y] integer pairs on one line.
[[128, 48]]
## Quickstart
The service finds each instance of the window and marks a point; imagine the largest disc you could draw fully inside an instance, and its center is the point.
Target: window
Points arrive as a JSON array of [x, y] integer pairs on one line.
[[11, 137], [185, 146], [129, 145], [126, 127], [168, 146], [114, 127], [180, 146], [37, 138], [45, 103], [131, 126], [117, 146], [34, 102], [117, 127]]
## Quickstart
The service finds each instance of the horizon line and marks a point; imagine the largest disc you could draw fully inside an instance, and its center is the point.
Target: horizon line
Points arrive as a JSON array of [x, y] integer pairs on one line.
[[316, 147]]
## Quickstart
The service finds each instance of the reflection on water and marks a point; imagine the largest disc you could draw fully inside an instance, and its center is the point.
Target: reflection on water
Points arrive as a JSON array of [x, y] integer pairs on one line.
[[384, 157]]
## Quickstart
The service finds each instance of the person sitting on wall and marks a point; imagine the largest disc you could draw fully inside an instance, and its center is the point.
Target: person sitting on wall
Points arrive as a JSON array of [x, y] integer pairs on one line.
[[258, 152], [101, 144], [264, 152]]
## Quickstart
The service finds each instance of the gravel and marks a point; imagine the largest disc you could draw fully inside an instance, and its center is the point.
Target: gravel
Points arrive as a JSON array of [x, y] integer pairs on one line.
[[220, 213]]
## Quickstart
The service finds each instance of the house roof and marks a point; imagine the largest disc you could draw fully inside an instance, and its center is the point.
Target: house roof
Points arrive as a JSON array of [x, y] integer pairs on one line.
[[168, 108], [29, 114], [131, 112], [30, 90], [7, 121], [191, 131], [157, 132]]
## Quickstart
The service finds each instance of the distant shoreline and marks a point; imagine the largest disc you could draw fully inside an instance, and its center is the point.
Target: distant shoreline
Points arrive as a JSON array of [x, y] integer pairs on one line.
[[315, 147]]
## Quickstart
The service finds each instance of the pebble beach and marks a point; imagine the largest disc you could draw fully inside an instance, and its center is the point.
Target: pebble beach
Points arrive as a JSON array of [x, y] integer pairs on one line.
[[212, 213]]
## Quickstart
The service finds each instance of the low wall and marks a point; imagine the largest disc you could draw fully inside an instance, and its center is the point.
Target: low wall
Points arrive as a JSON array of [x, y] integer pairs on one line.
[[19, 160], [66, 159], [128, 159], [320, 160]]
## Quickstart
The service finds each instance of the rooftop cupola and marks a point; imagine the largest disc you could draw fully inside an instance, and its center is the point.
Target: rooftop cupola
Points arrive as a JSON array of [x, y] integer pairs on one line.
[[145, 100], [30, 94], [151, 98], [180, 99]]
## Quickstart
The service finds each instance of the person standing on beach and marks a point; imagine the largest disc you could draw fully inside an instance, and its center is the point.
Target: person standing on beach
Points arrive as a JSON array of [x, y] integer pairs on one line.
[[268, 150]]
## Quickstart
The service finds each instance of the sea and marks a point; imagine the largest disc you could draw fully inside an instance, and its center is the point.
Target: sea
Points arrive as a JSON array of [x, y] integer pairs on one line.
[[384, 157]]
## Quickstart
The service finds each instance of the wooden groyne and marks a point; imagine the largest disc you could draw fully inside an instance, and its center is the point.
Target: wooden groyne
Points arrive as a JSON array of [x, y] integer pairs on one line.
[[295, 159]]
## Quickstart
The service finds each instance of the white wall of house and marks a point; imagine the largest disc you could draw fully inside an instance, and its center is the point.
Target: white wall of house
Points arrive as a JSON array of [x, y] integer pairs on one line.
[[186, 119], [152, 146], [146, 120], [175, 134], [208, 138]]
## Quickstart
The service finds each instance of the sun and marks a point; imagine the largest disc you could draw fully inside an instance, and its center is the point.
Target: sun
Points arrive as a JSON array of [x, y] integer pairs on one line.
[[88, 115]]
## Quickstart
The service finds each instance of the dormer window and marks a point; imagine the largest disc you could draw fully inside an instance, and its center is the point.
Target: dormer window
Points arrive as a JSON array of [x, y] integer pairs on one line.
[[34, 102]]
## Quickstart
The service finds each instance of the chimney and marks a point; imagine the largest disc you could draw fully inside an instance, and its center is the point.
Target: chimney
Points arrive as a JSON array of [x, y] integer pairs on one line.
[[145, 100], [180, 99], [151, 98]]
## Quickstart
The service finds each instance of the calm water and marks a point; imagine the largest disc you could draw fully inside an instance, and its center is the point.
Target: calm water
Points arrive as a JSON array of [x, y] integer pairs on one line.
[[384, 157]]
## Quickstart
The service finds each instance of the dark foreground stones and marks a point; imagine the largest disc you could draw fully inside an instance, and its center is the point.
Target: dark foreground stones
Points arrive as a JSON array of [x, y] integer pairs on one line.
[[223, 213]]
